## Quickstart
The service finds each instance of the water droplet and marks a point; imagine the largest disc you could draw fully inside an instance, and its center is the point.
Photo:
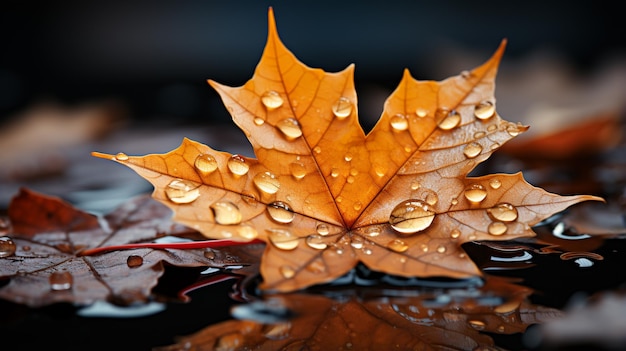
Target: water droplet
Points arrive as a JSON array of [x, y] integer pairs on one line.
[[247, 232], [432, 199], [283, 239], [421, 112], [350, 179], [455, 233], [513, 130], [334, 172], [484, 110], [348, 157], [504, 212], [415, 185], [472, 149], [357, 242], [205, 163], [492, 128], [497, 228], [479, 135], [448, 120], [271, 99], [259, 121], [495, 183], [60, 281], [226, 213], [373, 231], [380, 170], [210, 254], [475, 193], [297, 170], [476, 324], [266, 182], [280, 212], [134, 261], [121, 156], [342, 108], [441, 249], [316, 241], [339, 199], [411, 216], [399, 122], [7, 246], [229, 342], [316, 267], [287, 272], [290, 127], [182, 191], [237, 165], [454, 201], [357, 205], [317, 150], [397, 245], [322, 229]]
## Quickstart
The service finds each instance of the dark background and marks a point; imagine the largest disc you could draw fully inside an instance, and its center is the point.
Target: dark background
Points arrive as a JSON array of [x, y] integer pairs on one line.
[[155, 56]]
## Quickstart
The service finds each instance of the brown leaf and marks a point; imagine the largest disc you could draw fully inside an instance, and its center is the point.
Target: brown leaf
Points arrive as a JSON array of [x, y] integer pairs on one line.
[[326, 195], [417, 321], [41, 254]]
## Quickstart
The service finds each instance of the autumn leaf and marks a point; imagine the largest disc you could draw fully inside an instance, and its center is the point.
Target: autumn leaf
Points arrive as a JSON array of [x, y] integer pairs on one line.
[[326, 196], [427, 319], [41, 255]]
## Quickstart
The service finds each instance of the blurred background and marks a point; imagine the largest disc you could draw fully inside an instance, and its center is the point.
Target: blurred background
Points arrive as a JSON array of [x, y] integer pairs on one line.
[[82, 76]]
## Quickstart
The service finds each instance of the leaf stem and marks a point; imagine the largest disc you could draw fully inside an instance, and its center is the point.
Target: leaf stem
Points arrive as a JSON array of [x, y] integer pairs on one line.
[[203, 244]]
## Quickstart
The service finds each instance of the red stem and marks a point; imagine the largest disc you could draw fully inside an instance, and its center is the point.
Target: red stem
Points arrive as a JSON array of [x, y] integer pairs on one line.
[[181, 246]]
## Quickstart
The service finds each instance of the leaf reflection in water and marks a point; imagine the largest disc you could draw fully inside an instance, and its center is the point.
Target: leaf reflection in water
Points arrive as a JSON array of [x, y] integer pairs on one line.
[[416, 318]]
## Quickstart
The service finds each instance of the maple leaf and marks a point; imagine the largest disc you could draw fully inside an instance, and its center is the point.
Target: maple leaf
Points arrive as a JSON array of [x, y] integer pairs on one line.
[[42, 261], [325, 195]]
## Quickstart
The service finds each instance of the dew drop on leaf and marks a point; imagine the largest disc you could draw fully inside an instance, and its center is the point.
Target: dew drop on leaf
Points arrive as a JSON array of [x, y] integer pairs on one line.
[[441, 249], [399, 122], [266, 182], [7, 246], [472, 149], [229, 341], [297, 170], [120, 156], [283, 239], [289, 127], [432, 199], [411, 216], [495, 183], [449, 120], [258, 121], [475, 193], [134, 261], [504, 212], [484, 110], [497, 228], [271, 99], [226, 213], [479, 135], [210, 254], [357, 242], [476, 324], [60, 281], [247, 232], [373, 231], [316, 267], [237, 165], [316, 241], [280, 212], [421, 112], [334, 172], [415, 185], [182, 191], [342, 108], [397, 245], [455, 233], [205, 163], [287, 272], [513, 130]]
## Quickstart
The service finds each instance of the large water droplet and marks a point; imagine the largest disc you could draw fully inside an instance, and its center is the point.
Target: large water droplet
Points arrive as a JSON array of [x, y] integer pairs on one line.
[[449, 120], [342, 108], [287, 272], [475, 193], [280, 212], [182, 191], [290, 127], [497, 228], [271, 99], [316, 241], [266, 182], [120, 156], [484, 110], [237, 165], [60, 281], [205, 163], [472, 149], [134, 261], [226, 213], [297, 170], [283, 239], [399, 122], [513, 129], [411, 216], [397, 245], [7, 246], [504, 212], [322, 229]]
